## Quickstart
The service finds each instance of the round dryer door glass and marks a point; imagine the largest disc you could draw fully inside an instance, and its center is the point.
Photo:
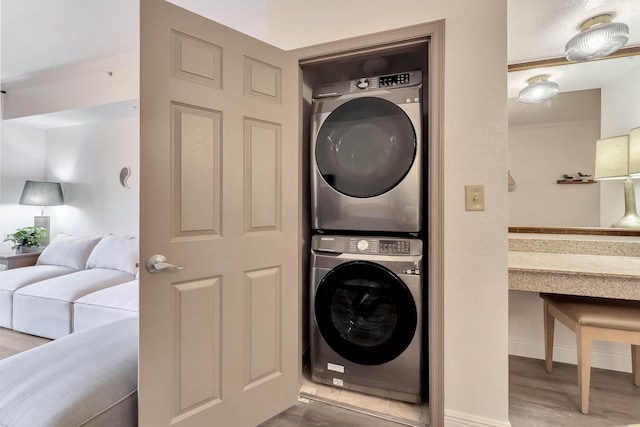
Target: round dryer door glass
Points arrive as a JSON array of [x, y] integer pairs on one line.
[[365, 147], [365, 313]]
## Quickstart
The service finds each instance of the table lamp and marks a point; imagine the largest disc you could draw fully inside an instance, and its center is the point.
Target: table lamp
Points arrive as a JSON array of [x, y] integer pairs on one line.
[[40, 193], [615, 159], [634, 152]]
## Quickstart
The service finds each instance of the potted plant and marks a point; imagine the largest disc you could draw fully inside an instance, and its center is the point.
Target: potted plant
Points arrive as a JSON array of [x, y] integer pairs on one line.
[[26, 239]]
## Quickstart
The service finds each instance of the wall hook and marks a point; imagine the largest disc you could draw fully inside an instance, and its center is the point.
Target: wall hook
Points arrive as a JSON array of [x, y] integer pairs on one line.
[[512, 183], [125, 173]]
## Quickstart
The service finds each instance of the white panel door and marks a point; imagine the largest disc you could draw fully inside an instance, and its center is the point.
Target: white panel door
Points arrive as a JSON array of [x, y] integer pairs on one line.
[[219, 111]]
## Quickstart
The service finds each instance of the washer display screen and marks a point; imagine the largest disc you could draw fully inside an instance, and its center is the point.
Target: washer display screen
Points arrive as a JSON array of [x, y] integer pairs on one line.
[[398, 79]]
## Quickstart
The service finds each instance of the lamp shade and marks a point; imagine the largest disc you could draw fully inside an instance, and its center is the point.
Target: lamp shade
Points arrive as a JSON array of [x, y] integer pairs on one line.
[[612, 157], [42, 193], [598, 37], [634, 152]]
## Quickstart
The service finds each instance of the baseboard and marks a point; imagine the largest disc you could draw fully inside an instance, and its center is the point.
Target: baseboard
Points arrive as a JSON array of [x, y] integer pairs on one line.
[[459, 419], [564, 353]]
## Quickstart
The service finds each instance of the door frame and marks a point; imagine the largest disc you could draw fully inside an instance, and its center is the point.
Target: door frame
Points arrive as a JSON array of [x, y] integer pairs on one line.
[[434, 33]]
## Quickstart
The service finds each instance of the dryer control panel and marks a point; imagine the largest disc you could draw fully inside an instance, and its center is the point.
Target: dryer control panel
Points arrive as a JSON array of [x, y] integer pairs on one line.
[[365, 84]]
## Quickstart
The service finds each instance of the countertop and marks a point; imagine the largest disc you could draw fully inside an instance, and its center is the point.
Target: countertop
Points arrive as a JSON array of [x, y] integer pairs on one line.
[[611, 276]]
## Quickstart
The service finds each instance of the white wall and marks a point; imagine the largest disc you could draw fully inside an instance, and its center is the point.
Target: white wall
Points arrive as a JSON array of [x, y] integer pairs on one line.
[[23, 158], [620, 114], [87, 159], [538, 156]]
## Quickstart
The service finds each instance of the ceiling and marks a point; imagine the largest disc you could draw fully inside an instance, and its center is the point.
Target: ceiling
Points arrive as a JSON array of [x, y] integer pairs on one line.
[[554, 22], [41, 35]]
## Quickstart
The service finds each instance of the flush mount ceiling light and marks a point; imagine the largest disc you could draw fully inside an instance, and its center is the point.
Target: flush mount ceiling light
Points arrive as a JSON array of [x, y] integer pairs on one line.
[[598, 37], [540, 89]]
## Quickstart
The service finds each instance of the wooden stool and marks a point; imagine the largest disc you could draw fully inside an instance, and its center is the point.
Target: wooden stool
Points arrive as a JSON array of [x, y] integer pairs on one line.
[[592, 319]]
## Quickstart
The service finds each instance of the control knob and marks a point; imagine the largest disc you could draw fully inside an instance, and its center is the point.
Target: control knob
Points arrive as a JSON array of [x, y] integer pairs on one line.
[[363, 245], [363, 83]]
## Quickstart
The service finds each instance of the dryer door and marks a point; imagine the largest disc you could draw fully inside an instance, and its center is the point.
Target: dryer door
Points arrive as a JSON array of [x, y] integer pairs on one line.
[[365, 147], [365, 312]]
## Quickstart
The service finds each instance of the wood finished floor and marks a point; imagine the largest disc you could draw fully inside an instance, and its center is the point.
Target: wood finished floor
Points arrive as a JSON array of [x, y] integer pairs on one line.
[[12, 342], [539, 399], [536, 399], [311, 413]]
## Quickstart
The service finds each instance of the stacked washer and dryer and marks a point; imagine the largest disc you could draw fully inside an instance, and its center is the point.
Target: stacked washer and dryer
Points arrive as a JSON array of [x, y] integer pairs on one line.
[[366, 253]]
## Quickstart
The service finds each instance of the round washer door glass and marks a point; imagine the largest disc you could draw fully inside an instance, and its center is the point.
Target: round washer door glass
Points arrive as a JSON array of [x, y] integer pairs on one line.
[[365, 312], [365, 147]]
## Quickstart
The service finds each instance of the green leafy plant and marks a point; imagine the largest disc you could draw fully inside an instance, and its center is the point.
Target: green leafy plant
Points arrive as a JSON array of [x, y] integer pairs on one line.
[[27, 236]]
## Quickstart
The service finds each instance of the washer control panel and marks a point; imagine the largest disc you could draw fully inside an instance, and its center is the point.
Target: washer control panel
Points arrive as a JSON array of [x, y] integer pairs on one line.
[[365, 245], [394, 247], [380, 246]]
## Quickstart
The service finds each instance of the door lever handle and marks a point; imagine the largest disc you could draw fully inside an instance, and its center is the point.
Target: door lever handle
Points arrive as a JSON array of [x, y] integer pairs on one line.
[[158, 263]]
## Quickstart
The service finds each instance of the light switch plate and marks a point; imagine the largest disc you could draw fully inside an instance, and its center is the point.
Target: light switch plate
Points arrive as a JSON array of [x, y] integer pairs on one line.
[[474, 197]]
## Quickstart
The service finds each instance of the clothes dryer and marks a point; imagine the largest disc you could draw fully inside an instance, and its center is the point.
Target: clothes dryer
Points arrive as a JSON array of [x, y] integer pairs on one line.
[[366, 314], [366, 154]]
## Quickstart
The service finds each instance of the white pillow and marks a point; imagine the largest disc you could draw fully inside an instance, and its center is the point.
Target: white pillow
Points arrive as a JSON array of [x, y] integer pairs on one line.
[[115, 253], [69, 251]]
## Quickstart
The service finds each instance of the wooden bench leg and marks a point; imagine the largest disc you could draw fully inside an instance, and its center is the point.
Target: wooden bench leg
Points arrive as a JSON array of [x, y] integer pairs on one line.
[[635, 364], [583, 341], [549, 329]]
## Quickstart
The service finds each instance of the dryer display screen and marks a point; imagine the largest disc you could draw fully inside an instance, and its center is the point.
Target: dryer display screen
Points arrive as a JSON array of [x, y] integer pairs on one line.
[[398, 79], [394, 247]]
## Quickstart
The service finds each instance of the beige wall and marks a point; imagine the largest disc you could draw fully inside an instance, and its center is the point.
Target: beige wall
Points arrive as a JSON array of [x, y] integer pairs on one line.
[[539, 154], [545, 142], [538, 149], [475, 135], [620, 114], [475, 150]]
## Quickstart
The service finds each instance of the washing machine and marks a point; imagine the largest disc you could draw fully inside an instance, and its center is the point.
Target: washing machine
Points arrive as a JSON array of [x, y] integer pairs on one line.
[[366, 154], [366, 314]]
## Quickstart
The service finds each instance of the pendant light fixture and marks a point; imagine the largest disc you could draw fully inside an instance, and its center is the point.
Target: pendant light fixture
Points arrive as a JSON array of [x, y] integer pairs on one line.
[[598, 37], [539, 89]]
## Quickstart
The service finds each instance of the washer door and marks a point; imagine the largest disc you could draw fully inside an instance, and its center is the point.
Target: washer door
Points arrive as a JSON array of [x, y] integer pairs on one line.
[[365, 147], [365, 312]]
